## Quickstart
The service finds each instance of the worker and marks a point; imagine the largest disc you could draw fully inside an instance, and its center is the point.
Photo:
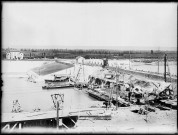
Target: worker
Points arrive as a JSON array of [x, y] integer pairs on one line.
[[106, 103], [129, 95], [130, 91], [80, 86]]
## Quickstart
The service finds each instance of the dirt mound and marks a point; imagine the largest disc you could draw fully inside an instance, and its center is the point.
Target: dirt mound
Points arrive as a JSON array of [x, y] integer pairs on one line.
[[49, 68]]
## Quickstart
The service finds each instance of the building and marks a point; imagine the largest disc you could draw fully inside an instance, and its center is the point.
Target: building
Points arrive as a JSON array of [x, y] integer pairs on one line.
[[14, 55], [80, 60]]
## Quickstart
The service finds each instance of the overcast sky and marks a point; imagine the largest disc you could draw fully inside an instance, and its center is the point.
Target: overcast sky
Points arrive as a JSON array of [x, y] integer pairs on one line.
[[90, 25]]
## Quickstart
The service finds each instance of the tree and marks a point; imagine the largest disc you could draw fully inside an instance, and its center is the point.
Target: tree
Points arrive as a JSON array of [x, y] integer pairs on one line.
[[151, 51]]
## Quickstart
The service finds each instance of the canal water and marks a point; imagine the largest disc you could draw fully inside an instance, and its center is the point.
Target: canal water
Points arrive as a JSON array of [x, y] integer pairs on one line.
[[31, 95]]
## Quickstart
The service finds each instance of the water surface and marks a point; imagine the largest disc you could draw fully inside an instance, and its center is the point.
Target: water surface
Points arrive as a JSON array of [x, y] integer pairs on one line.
[[31, 95]]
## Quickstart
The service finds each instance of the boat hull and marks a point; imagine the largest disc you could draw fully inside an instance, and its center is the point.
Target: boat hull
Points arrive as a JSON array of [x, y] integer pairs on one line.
[[96, 96], [56, 87], [47, 81]]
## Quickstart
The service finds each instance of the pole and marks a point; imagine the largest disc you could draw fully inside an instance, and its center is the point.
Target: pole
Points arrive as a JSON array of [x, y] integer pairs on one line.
[[158, 60], [20, 126], [112, 94], [57, 108], [116, 90], [158, 65], [83, 71], [165, 57], [147, 114], [117, 97], [111, 88], [129, 59], [119, 88]]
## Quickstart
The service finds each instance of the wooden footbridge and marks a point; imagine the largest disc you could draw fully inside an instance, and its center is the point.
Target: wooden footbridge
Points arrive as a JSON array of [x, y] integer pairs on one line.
[[58, 117], [63, 118]]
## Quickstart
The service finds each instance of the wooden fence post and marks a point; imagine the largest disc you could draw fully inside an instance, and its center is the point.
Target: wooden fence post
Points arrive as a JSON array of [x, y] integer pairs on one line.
[[57, 108]]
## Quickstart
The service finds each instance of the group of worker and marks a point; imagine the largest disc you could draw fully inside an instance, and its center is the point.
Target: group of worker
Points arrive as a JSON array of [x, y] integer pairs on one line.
[[16, 107]]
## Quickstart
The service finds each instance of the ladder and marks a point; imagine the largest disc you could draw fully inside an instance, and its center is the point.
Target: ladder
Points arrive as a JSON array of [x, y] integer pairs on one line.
[[80, 72]]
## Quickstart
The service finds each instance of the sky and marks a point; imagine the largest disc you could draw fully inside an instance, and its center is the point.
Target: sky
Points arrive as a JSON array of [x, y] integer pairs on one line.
[[60, 25]]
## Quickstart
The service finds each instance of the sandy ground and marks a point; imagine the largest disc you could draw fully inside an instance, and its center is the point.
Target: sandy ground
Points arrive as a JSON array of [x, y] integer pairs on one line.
[[125, 121]]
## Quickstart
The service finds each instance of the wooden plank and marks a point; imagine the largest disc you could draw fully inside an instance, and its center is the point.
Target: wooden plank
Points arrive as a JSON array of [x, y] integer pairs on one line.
[[25, 116], [12, 117]]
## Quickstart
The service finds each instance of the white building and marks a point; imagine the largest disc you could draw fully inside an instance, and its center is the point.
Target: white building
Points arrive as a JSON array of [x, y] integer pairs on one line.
[[80, 60], [14, 54]]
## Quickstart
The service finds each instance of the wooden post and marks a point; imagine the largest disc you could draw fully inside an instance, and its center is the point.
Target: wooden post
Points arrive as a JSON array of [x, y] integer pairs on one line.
[[129, 59], [118, 94], [14, 126], [57, 108], [83, 70], [20, 126], [110, 95], [6, 126], [165, 57], [116, 90], [147, 114], [158, 65], [116, 97]]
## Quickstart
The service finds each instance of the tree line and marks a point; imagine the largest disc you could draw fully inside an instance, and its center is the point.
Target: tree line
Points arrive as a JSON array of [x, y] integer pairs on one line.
[[90, 53]]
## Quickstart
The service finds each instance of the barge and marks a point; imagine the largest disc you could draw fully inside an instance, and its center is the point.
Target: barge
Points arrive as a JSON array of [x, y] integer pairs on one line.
[[56, 86], [60, 78], [59, 82], [94, 95], [98, 94]]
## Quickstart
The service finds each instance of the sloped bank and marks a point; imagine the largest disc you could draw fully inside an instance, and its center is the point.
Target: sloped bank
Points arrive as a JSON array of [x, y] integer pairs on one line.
[[51, 68]]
